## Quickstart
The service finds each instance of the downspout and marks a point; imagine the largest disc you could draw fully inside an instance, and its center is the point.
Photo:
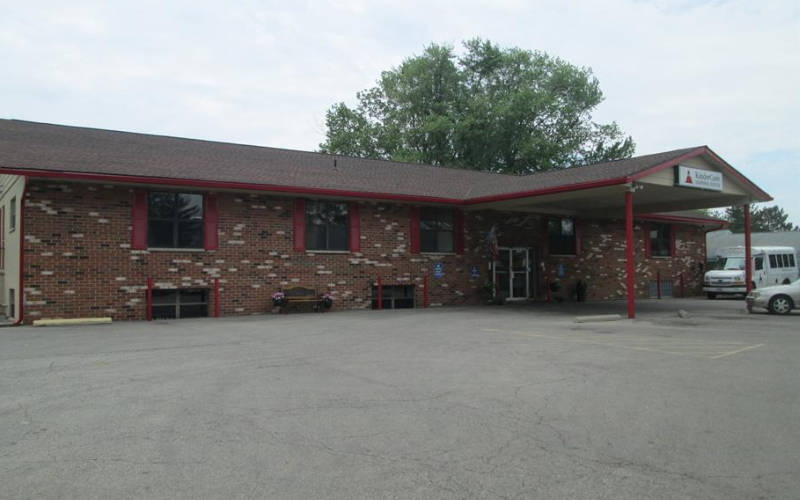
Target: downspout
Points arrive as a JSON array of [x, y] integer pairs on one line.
[[21, 285]]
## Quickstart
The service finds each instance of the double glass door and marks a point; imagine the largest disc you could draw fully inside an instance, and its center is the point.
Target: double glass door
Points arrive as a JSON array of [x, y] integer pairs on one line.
[[512, 273]]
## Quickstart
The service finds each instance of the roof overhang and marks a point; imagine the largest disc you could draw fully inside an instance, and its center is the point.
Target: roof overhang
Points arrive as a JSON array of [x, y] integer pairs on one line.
[[654, 189]]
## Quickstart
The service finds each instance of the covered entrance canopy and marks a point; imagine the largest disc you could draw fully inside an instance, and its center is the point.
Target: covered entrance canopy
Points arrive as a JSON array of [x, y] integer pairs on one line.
[[653, 186]]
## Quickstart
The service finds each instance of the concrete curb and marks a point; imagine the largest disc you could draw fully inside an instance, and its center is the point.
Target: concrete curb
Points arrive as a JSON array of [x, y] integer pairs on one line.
[[601, 317], [76, 321]]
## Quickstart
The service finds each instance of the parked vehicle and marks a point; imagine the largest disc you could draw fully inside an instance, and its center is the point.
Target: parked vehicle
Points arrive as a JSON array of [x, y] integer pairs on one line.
[[779, 299], [770, 266]]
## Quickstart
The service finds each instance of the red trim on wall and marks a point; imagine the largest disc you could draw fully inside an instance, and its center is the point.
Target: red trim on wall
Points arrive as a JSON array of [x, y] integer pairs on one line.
[[211, 221], [139, 220], [299, 225], [459, 231], [355, 227], [578, 222], [648, 248], [414, 228]]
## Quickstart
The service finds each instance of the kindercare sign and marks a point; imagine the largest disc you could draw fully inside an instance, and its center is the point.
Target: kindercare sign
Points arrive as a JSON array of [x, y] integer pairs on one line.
[[700, 179]]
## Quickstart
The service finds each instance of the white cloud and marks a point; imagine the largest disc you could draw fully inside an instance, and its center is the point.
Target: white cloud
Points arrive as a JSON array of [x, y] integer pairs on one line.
[[722, 73]]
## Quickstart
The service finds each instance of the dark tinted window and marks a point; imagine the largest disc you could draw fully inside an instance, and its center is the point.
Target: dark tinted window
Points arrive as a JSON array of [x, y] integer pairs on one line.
[[561, 234], [436, 230], [171, 304], [175, 220], [327, 226], [773, 262], [660, 240]]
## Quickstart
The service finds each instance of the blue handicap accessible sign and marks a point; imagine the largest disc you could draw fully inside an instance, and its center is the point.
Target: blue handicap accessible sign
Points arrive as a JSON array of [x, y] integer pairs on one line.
[[438, 270], [562, 271], [474, 273]]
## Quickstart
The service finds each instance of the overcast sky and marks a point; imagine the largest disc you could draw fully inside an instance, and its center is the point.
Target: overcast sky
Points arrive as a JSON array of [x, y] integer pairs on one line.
[[674, 73]]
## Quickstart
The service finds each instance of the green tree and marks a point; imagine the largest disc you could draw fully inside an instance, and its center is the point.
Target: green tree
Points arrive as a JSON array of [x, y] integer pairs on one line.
[[761, 219], [772, 219], [491, 109]]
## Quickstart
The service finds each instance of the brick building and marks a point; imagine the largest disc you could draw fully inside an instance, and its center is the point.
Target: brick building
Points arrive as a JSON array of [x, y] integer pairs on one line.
[[103, 223]]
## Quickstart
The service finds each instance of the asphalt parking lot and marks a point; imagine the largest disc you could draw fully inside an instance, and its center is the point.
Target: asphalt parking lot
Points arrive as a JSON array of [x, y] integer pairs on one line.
[[491, 402]]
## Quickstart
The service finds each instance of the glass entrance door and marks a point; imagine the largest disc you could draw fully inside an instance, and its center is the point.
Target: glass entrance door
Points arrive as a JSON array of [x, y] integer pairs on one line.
[[512, 272]]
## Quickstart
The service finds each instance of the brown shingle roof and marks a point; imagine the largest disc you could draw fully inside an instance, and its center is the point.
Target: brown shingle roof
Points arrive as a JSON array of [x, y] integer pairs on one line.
[[57, 148]]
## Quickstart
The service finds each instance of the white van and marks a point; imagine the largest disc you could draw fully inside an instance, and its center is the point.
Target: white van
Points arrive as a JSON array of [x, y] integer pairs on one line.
[[771, 266]]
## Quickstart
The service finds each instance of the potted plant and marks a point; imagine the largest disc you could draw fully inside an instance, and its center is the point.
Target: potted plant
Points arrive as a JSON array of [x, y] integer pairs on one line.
[[278, 299], [327, 300]]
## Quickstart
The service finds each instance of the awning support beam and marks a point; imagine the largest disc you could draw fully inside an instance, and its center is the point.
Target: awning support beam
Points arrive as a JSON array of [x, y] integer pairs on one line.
[[629, 255], [748, 253]]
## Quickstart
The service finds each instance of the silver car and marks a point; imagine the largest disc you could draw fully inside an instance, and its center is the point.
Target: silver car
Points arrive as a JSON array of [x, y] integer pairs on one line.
[[780, 299]]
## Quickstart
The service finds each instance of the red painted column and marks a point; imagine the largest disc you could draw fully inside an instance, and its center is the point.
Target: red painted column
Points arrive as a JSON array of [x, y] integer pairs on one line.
[[426, 298], [149, 299], [216, 297], [629, 255], [380, 294], [748, 257]]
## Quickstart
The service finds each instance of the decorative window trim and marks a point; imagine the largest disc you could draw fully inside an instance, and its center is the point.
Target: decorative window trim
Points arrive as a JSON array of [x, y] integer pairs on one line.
[[176, 221], [347, 243]]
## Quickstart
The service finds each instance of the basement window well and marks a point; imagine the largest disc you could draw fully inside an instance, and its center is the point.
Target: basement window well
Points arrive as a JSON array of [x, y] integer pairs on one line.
[[394, 297], [176, 304]]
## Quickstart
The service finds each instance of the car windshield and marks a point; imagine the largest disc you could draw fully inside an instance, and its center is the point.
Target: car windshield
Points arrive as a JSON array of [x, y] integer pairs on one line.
[[730, 264]]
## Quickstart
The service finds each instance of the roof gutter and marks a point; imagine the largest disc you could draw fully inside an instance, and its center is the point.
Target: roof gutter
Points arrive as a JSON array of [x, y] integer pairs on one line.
[[243, 186], [21, 307], [540, 192]]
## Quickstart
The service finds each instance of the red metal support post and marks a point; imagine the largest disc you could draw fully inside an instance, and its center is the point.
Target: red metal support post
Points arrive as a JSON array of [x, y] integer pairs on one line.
[[629, 255], [658, 282], [149, 299], [380, 293], [748, 257], [426, 297], [216, 297]]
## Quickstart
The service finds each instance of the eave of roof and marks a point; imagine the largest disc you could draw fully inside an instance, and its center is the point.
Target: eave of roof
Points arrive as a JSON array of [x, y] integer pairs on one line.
[[412, 181]]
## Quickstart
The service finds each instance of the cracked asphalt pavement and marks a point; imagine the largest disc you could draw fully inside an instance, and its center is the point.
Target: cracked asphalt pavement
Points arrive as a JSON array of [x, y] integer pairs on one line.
[[454, 403]]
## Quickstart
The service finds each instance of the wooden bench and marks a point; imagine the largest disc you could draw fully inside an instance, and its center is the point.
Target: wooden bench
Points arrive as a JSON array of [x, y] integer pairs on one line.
[[300, 295]]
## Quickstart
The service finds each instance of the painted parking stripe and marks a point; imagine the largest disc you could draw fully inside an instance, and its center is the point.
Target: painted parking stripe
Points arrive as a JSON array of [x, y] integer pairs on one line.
[[680, 347]]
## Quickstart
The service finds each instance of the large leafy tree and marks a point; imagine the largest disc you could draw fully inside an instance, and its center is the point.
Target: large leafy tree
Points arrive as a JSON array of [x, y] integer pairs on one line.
[[762, 219], [491, 109]]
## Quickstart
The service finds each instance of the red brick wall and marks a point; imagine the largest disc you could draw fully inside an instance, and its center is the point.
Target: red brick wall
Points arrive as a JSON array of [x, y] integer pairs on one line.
[[78, 260]]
